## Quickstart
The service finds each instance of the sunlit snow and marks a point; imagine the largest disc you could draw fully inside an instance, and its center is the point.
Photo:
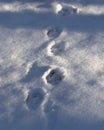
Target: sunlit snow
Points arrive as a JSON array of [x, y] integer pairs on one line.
[[51, 65]]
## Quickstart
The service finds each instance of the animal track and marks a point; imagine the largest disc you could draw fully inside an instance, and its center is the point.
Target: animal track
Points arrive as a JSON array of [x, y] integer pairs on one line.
[[35, 98], [54, 76], [64, 11], [56, 48], [53, 32]]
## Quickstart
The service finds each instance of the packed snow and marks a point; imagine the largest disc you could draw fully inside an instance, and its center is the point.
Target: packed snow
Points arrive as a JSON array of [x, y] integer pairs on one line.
[[52, 64]]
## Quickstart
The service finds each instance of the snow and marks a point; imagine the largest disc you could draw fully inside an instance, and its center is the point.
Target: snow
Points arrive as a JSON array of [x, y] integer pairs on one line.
[[51, 64]]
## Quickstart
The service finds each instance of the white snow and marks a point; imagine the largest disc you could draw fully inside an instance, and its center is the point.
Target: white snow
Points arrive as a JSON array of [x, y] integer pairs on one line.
[[51, 65]]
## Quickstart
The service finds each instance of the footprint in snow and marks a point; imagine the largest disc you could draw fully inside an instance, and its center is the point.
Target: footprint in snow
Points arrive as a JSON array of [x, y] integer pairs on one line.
[[53, 76], [66, 10], [56, 48], [35, 98], [53, 32]]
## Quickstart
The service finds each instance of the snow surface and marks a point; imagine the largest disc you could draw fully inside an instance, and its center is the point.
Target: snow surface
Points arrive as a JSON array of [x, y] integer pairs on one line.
[[52, 64]]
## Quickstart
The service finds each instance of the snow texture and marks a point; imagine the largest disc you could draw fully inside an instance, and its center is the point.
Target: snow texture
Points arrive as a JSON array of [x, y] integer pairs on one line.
[[52, 64]]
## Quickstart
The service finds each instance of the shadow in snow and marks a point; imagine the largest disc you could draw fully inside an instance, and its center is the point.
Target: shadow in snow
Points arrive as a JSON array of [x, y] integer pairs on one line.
[[35, 71], [25, 1], [83, 2], [29, 19]]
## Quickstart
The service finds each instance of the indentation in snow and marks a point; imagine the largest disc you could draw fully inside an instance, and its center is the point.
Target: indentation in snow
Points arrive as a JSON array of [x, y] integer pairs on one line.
[[53, 32], [66, 10], [35, 98], [58, 48], [53, 76]]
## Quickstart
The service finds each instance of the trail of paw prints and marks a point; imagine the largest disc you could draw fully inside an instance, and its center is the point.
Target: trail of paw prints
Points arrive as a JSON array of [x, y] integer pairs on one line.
[[54, 75]]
